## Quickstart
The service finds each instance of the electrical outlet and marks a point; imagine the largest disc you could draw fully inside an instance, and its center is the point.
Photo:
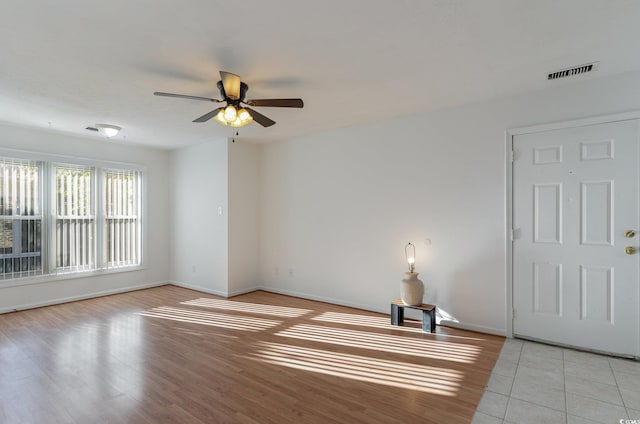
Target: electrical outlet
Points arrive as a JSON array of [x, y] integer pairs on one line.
[[291, 272], [193, 268], [276, 271]]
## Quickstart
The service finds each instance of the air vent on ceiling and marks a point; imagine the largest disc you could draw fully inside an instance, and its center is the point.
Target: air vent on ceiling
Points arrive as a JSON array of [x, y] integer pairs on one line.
[[576, 70], [91, 129]]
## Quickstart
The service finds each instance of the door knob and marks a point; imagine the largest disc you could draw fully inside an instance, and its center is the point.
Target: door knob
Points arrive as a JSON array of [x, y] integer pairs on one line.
[[630, 234], [629, 250]]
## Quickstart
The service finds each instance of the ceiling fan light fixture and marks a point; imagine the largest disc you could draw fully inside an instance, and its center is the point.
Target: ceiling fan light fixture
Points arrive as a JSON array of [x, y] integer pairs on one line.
[[243, 115], [233, 117], [243, 119], [230, 114], [220, 118], [108, 130]]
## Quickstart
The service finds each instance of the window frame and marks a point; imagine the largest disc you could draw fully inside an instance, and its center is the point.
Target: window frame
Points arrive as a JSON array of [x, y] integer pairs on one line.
[[48, 214]]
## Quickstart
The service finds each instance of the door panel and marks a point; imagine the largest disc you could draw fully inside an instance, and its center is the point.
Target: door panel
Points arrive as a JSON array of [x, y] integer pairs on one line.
[[547, 288], [547, 213], [575, 194]]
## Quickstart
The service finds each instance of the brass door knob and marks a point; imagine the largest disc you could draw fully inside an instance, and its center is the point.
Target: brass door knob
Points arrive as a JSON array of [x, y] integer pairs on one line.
[[629, 250], [630, 234]]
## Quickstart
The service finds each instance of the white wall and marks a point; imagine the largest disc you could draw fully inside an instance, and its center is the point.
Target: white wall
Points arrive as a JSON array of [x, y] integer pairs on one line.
[[156, 251], [199, 244], [243, 217], [337, 208]]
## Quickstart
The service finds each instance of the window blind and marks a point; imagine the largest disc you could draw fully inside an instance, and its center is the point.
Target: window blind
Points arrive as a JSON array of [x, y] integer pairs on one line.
[[75, 219], [122, 227], [20, 218]]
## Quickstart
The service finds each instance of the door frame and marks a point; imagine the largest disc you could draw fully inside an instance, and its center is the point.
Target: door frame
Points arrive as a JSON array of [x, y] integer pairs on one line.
[[509, 134]]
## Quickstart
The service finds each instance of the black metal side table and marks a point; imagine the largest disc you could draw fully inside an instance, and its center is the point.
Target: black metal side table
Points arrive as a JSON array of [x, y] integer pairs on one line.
[[428, 315]]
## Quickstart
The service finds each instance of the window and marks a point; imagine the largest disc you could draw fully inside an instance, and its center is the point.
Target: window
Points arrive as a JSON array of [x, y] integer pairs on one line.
[[20, 218], [75, 219], [122, 222], [94, 221]]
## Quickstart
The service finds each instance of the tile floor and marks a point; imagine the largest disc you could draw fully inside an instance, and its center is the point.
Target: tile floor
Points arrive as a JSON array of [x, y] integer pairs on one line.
[[533, 383]]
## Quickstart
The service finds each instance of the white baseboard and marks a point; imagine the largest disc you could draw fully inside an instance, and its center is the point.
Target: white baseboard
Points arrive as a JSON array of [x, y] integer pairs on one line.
[[473, 327], [243, 291], [324, 299], [199, 288], [81, 297], [222, 293]]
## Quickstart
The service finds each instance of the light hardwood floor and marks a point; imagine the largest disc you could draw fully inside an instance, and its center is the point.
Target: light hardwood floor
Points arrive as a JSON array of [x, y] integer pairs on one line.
[[170, 354]]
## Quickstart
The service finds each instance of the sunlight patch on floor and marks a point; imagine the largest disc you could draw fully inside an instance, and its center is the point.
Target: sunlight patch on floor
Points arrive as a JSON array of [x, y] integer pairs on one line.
[[426, 348], [364, 321], [256, 308], [440, 381], [233, 322]]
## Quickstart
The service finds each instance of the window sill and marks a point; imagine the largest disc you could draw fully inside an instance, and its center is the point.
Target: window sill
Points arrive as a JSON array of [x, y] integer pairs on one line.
[[51, 278]]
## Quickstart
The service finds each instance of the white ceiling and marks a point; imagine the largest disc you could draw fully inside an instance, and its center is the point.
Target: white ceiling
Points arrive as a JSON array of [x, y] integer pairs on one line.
[[68, 64]]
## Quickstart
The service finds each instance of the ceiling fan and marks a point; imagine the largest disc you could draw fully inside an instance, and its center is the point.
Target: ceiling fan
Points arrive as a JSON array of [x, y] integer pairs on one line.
[[233, 92]]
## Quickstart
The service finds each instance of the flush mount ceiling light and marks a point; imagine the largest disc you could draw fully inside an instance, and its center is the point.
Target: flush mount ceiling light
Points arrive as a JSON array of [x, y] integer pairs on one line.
[[108, 130]]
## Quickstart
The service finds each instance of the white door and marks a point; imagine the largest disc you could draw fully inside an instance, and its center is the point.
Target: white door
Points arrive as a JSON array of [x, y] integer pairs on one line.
[[575, 195]]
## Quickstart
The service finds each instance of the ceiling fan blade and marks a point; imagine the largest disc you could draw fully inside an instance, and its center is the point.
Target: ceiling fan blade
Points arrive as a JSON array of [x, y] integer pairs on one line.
[[276, 102], [260, 118], [231, 84], [184, 96], [207, 116]]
